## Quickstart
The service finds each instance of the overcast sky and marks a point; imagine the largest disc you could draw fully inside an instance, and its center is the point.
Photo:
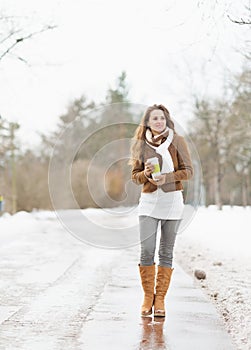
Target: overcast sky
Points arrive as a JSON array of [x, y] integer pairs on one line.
[[170, 50]]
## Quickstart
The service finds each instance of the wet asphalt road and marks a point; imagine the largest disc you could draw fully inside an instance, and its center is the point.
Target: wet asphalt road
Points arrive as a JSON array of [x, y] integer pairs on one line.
[[58, 293]]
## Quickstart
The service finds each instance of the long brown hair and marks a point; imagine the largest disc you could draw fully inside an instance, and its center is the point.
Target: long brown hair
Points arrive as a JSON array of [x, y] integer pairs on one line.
[[140, 132]]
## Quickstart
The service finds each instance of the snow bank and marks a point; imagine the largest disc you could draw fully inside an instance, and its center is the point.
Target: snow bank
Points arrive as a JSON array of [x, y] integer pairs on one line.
[[226, 231], [21, 222]]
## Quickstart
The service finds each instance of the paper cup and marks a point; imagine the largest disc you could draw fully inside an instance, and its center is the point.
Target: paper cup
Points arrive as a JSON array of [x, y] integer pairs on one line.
[[154, 161]]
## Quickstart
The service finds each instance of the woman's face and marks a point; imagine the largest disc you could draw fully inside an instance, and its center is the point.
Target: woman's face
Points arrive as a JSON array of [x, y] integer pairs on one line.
[[157, 121]]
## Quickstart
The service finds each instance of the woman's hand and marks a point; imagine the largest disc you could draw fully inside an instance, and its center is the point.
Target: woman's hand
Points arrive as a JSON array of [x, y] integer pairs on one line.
[[149, 168], [160, 180]]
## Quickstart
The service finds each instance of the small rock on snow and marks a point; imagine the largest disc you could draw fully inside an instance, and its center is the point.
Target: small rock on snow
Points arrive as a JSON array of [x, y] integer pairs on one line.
[[200, 274]]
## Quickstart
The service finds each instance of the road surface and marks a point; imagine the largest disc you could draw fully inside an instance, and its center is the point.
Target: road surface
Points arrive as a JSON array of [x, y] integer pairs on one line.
[[58, 293]]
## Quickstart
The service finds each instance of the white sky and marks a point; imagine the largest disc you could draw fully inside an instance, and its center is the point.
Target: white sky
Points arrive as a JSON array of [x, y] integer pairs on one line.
[[169, 49]]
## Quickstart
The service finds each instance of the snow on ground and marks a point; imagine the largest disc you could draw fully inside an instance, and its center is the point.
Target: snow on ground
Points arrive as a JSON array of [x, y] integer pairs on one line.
[[218, 242]]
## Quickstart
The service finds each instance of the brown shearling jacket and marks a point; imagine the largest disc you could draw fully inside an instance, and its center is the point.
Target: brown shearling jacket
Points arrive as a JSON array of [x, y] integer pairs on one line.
[[183, 169]]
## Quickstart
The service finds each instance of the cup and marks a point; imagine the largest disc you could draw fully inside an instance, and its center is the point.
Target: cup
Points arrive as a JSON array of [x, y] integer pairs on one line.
[[154, 161]]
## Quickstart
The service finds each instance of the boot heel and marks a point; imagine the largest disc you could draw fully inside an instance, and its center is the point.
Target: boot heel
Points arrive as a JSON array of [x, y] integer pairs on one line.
[[159, 313], [146, 313]]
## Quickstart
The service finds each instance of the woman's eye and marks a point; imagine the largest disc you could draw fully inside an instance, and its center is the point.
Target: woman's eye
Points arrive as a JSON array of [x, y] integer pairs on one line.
[[158, 118]]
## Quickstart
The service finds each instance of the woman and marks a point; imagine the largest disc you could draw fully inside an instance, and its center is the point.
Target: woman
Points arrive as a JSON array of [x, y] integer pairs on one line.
[[161, 199]]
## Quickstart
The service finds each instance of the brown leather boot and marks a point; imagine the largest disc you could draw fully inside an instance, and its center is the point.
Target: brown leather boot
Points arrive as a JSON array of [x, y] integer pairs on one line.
[[147, 274], [162, 284]]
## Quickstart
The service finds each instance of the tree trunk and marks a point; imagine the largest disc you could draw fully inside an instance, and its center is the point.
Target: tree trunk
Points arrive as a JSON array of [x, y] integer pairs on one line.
[[218, 200], [244, 185], [217, 192], [248, 189]]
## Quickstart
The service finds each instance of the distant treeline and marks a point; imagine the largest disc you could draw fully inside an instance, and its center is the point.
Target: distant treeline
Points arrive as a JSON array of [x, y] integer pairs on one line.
[[87, 154]]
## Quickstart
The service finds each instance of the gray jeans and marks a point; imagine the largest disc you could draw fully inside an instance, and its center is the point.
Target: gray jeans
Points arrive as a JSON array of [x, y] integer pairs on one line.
[[148, 231]]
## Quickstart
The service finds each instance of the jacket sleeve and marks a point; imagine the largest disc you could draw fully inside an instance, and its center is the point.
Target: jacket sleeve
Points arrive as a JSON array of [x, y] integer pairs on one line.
[[138, 175], [185, 167]]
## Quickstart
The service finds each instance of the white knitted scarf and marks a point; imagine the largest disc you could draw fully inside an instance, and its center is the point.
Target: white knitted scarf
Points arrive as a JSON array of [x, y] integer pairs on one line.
[[162, 149]]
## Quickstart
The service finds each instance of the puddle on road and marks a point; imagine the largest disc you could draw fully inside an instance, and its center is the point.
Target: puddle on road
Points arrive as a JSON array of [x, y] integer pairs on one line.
[[152, 335]]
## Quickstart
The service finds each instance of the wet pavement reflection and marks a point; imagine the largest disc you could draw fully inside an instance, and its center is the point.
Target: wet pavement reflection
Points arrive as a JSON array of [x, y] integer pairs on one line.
[[152, 336], [114, 320]]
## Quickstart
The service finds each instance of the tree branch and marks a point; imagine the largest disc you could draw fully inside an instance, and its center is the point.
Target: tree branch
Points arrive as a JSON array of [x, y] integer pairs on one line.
[[21, 39], [241, 21], [9, 36]]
